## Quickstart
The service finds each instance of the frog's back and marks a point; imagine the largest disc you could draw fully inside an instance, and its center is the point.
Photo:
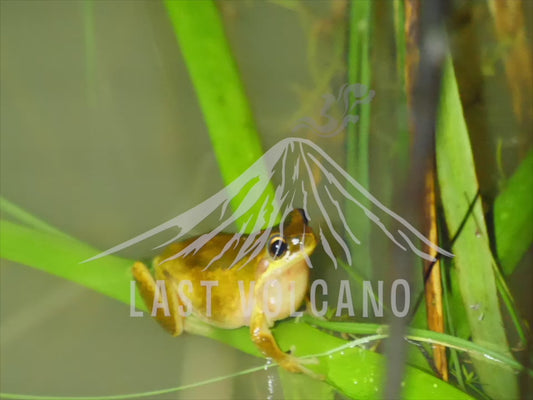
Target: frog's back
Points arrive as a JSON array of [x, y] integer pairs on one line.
[[213, 254], [211, 264]]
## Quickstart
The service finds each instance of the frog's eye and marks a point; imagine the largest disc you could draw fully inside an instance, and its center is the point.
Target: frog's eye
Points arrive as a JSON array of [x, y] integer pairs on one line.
[[277, 247]]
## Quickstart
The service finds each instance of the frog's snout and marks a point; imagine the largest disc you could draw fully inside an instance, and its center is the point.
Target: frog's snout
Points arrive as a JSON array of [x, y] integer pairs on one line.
[[304, 217], [309, 239]]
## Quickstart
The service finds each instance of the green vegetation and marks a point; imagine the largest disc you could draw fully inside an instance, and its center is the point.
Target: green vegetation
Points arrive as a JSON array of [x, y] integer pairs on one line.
[[477, 301]]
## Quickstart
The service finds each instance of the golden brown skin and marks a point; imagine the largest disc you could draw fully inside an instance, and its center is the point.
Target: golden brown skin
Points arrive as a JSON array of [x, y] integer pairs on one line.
[[283, 259]]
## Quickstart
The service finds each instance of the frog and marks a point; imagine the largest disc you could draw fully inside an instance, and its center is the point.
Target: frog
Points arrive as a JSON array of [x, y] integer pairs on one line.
[[282, 261]]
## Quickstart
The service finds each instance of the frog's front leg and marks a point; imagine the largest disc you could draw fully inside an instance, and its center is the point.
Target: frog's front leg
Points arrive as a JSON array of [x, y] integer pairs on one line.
[[264, 340], [173, 322]]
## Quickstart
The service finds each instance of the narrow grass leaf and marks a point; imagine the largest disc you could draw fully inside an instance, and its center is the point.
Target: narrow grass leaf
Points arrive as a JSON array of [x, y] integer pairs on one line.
[[473, 261], [513, 213], [60, 255], [358, 135], [216, 80], [13, 211]]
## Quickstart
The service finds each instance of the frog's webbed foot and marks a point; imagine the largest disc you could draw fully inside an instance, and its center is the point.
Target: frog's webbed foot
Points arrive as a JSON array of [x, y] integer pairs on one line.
[[264, 340]]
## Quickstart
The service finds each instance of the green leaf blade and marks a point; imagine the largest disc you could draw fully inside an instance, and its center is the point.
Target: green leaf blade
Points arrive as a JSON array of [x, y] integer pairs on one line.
[[62, 256], [220, 91], [513, 213], [473, 261]]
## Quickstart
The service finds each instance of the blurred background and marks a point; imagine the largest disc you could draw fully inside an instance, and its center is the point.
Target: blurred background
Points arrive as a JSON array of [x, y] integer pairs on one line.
[[102, 136]]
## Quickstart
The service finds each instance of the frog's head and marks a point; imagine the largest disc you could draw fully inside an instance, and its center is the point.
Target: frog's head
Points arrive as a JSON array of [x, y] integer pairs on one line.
[[293, 241], [284, 262]]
